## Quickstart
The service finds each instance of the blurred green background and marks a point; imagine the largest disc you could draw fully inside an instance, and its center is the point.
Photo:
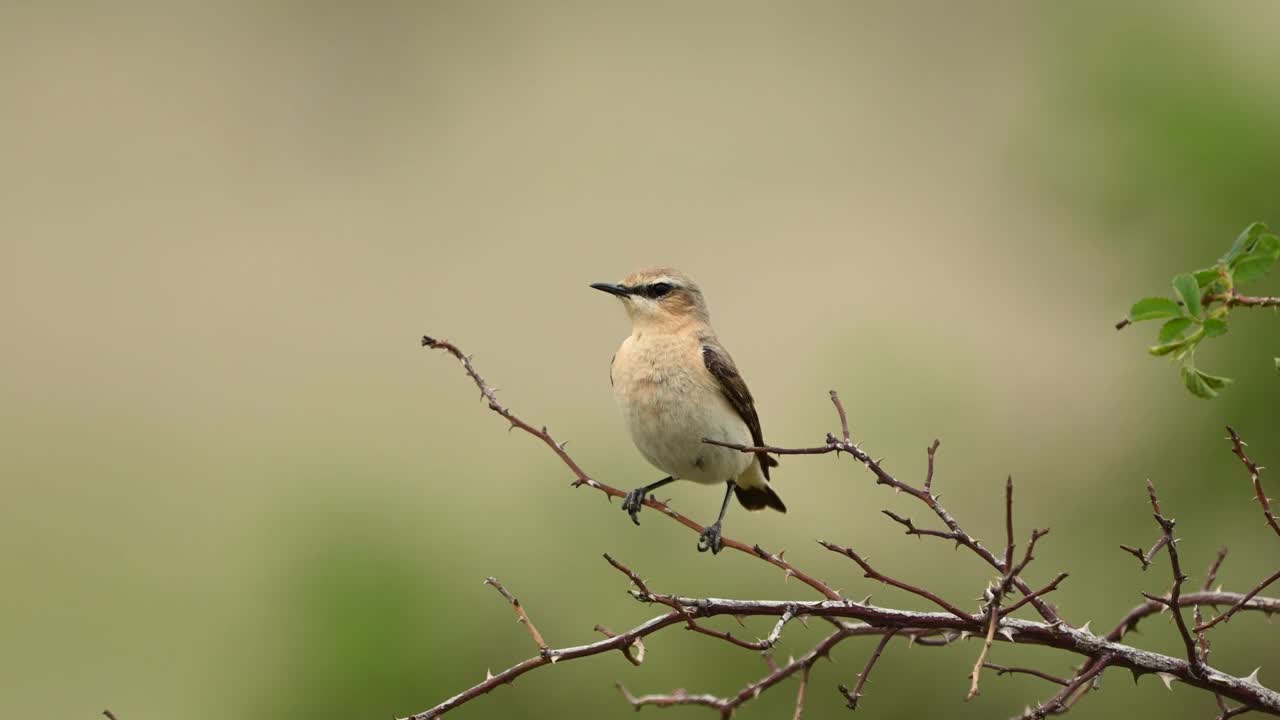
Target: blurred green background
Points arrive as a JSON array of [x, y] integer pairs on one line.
[[232, 484]]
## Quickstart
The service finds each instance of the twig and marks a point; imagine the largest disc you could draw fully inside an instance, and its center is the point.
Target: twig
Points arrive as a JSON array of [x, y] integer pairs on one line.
[[918, 531], [776, 633], [1146, 558], [1212, 574], [996, 593], [1008, 524], [1232, 712], [645, 594], [992, 622], [928, 477], [1255, 474], [804, 684], [1197, 617], [509, 675], [1267, 606], [726, 706], [1003, 670], [1249, 301], [638, 645], [844, 419], [1062, 700], [852, 698], [1179, 577], [1053, 585], [679, 697], [1241, 602], [631, 575], [872, 573], [520, 613]]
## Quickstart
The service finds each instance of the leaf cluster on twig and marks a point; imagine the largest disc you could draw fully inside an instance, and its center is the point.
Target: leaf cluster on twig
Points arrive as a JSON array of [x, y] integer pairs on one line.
[[1203, 300]]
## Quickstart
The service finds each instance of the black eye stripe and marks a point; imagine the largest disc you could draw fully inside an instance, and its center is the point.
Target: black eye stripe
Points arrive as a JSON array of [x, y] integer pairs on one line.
[[652, 291], [656, 290]]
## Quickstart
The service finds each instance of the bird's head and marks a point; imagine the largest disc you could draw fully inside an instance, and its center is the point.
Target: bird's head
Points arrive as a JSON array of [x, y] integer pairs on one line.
[[658, 297]]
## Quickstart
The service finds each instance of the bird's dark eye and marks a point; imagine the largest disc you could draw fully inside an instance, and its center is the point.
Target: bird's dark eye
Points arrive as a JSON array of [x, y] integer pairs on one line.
[[658, 290]]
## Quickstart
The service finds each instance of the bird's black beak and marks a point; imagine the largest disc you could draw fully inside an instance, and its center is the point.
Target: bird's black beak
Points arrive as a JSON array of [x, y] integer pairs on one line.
[[612, 289]]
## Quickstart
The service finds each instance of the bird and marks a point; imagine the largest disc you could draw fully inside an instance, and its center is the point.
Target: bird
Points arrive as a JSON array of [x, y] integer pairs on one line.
[[676, 385]]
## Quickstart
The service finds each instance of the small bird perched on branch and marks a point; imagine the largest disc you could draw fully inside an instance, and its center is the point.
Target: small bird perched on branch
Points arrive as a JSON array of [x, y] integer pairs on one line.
[[676, 385]]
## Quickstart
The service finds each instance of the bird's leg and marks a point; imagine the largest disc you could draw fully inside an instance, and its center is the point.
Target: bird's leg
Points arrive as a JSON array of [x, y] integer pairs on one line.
[[634, 500], [711, 539]]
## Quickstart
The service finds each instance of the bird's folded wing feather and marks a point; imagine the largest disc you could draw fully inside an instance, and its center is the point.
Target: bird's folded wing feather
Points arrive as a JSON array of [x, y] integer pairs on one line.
[[735, 391]]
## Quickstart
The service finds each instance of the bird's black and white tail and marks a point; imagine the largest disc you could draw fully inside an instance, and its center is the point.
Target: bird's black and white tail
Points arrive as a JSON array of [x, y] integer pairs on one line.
[[759, 498]]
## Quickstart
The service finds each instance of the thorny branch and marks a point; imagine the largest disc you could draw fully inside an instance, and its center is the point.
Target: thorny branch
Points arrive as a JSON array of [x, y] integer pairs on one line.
[[1003, 670], [852, 618], [520, 613], [851, 698], [1179, 577], [1255, 474], [871, 573]]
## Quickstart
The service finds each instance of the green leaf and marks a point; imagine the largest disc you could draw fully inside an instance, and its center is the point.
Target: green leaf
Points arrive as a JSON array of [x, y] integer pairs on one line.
[[1253, 266], [1189, 290], [1258, 261], [1173, 329], [1213, 327], [1278, 365], [1196, 384], [1206, 277], [1243, 242], [1153, 308], [1215, 382]]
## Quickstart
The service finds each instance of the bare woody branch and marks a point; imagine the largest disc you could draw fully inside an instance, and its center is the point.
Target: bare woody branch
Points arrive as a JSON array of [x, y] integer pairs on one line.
[[1004, 670], [1062, 701], [852, 698], [804, 685], [520, 613], [1147, 557], [937, 629], [881, 619], [1053, 585], [1179, 577], [726, 706], [1255, 474], [872, 573], [1241, 603], [883, 477]]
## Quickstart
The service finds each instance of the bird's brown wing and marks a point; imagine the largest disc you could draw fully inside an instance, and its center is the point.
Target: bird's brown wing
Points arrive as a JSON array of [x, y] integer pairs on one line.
[[735, 391]]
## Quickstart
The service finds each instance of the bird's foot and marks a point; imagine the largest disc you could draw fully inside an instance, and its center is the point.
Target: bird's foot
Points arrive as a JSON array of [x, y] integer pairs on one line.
[[632, 502], [711, 539]]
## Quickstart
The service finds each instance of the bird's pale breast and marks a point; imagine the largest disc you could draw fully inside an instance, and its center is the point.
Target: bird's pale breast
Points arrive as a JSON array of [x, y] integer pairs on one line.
[[670, 401]]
